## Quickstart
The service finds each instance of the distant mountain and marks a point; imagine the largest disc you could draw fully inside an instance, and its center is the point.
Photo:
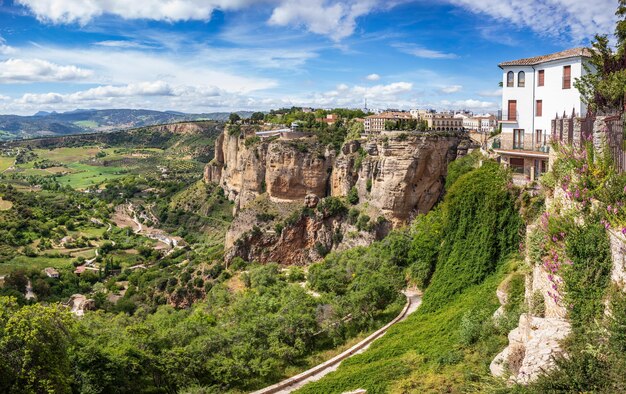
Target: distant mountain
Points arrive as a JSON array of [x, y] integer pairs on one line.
[[90, 120]]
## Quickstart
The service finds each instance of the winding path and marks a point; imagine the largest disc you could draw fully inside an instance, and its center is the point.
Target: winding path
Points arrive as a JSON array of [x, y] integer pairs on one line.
[[413, 301]]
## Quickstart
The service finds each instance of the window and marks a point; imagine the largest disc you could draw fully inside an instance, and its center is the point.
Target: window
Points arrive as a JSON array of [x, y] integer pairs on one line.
[[517, 165], [510, 76], [518, 138], [512, 115], [521, 79], [540, 78], [539, 108], [538, 137], [567, 77]]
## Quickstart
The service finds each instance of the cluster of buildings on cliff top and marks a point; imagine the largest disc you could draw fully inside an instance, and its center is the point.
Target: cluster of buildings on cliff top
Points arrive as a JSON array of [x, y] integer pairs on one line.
[[535, 91]]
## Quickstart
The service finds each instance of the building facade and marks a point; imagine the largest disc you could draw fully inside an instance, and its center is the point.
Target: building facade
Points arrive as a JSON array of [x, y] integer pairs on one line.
[[376, 123], [534, 91], [443, 122]]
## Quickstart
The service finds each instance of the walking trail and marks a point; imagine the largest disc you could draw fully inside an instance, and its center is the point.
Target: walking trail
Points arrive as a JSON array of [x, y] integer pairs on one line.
[[316, 373]]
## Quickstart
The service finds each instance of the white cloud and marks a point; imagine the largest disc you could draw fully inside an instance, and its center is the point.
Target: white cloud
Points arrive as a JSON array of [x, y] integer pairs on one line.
[[123, 67], [37, 70], [82, 11], [451, 89], [490, 93], [334, 19], [157, 88], [575, 18], [424, 53], [122, 44], [45, 98], [5, 49], [373, 77], [469, 104]]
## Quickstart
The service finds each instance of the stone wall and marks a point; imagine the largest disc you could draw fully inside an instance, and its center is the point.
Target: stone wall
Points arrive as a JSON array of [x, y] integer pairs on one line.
[[618, 256]]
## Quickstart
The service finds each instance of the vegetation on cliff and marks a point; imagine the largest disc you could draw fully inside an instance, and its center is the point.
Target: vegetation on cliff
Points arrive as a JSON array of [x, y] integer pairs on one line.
[[449, 342]]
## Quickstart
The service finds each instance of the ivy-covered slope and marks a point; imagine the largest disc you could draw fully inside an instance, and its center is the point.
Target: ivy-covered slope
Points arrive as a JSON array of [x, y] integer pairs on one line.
[[470, 241]]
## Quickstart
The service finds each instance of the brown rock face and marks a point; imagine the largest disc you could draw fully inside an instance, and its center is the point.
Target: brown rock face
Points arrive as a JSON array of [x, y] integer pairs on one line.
[[396, 175], [286, 170], [401, 175]]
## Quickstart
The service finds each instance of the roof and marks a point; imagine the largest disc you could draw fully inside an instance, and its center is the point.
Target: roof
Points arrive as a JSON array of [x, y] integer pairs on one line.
[[391, 115], [531, 61]]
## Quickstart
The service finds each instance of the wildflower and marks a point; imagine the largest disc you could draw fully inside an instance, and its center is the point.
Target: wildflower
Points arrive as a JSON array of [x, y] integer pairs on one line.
[[624, 230]]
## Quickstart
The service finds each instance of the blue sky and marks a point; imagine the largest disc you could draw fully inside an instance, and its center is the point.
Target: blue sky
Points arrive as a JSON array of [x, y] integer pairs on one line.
[[216, 55]]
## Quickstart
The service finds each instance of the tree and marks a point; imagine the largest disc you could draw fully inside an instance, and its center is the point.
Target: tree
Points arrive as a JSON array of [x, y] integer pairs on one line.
[[603, 87], [234, 118], [257, 116], [34, 346]]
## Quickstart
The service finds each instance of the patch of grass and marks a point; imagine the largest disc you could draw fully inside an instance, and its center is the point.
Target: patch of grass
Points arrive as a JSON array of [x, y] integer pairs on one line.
[[5, 205], [6, 162], [89, 124], [86, 175], [39, 262]]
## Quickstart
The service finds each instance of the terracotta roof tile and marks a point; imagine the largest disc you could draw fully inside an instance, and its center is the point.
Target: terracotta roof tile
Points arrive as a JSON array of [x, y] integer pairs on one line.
[[531, 61]]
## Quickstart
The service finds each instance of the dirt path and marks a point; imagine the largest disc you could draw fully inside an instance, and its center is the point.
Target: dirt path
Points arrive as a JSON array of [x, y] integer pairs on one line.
[[319, 371]]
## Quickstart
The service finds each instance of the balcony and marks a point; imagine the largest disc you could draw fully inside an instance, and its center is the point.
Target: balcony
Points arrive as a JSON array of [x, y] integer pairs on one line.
[[508, 117]]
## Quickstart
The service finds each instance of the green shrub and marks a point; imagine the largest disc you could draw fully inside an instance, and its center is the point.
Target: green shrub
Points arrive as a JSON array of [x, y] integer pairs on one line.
[[368, 185], [250, 141], [353, 196], [427, 235], [363, 224], [265, 217], [331, 206], [461, 166]]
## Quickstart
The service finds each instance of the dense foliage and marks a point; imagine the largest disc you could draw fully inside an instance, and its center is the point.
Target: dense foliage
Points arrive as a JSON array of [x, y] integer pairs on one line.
[[454, 254], [476, 205]]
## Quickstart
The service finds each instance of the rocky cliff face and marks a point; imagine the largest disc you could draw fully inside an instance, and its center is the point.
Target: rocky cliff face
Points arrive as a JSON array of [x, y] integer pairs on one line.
[[287, 170], [396, 176]]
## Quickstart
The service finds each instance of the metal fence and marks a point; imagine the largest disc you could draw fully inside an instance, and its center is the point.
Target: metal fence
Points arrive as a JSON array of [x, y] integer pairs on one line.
[[615, 140]]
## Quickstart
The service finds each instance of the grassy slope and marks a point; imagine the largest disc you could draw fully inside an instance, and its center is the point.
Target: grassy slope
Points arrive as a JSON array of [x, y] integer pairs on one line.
[[423, 353]]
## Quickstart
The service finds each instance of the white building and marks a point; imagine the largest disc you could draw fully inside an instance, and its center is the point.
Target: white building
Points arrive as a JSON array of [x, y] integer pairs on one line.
[[534, 91]]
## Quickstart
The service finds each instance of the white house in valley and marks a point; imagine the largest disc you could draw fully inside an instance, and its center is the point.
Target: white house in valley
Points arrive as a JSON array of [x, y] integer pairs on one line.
[[534, 91]]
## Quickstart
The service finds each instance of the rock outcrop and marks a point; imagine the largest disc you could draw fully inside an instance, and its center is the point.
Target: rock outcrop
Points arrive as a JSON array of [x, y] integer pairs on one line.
[[286, 170], [396, 176], [401, 174], [533, 346]]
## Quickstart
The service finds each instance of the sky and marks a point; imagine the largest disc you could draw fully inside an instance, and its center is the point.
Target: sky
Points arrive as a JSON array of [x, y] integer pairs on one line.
[[201, 56]]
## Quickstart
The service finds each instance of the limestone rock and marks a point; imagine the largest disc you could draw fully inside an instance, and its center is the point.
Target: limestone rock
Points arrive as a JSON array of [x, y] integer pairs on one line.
[[311, 201], [533, 345], [80, 303]]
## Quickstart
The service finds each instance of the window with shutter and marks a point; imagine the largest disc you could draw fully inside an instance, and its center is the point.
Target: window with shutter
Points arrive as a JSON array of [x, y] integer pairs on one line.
[[539, 109], [540, 78], [567, 77]]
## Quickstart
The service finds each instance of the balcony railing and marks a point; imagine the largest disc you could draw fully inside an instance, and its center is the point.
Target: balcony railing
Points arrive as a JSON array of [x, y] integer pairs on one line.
[[506, 116], [518, 145]]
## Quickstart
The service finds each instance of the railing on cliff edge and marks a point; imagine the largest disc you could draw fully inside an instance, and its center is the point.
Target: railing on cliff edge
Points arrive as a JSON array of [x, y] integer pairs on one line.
[[574, 129]]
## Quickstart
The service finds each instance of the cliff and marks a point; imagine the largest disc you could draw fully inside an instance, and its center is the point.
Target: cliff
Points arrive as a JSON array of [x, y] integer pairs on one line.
[[395, 177]]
